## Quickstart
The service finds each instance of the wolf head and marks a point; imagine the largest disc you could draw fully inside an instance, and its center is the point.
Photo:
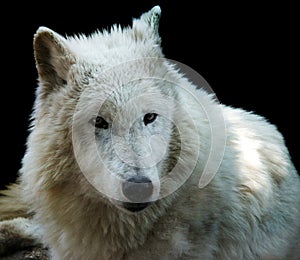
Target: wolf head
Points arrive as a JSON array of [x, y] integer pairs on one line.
[[112, 115]]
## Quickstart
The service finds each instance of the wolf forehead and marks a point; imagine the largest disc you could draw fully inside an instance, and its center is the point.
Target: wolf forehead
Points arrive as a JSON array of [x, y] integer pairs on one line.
[[108, 58], [107, 68]]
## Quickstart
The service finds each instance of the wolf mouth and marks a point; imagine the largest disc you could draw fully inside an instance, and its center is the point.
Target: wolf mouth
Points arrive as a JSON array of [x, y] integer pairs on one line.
[[135, 207]]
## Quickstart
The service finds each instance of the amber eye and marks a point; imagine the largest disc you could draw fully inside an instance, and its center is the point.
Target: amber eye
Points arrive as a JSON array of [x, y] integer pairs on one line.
[[149, 118], [99, 122]]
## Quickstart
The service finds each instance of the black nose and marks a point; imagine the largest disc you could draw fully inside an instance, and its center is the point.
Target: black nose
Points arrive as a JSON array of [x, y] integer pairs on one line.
[[137, 189]]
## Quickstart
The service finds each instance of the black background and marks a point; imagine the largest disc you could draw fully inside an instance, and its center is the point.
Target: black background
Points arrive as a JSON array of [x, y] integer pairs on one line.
[[245, 51]]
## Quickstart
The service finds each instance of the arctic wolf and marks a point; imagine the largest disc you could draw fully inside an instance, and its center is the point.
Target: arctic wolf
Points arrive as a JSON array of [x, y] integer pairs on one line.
[[128, 159]]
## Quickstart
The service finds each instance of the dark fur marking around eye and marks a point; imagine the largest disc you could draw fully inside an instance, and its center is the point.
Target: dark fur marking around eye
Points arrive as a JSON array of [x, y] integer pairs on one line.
[[149, 118], [99, 122]]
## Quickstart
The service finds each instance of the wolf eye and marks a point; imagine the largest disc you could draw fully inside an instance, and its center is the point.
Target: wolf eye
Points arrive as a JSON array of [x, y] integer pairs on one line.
[[149, 118], [99, 122]]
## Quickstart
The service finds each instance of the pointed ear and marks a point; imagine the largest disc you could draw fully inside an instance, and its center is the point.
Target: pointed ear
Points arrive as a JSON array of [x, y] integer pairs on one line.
[[53, 59], [149, 22]]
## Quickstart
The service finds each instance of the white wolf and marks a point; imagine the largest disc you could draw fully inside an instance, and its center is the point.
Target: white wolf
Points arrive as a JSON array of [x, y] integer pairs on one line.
[[124, 161]]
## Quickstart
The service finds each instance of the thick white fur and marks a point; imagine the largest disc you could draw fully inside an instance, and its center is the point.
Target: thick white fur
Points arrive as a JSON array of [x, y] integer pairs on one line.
[[250, 210]]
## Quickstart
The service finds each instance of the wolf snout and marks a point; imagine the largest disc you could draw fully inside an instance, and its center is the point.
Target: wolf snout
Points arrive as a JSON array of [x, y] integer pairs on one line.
[[137, 189]]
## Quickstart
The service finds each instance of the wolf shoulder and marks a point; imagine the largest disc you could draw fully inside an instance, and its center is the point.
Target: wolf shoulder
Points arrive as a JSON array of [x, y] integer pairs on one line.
[[246, 129], [257, 150]]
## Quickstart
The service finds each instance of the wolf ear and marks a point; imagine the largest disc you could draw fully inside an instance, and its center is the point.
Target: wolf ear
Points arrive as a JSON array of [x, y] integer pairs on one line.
[[53, 59], [150, 20]]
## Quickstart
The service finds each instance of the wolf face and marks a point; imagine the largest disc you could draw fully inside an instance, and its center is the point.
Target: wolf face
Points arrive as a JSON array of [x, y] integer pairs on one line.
[[122, 139], [113, 103]]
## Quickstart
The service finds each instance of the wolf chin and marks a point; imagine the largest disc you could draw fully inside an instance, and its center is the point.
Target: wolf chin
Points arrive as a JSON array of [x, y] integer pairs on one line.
[[118, 144]]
